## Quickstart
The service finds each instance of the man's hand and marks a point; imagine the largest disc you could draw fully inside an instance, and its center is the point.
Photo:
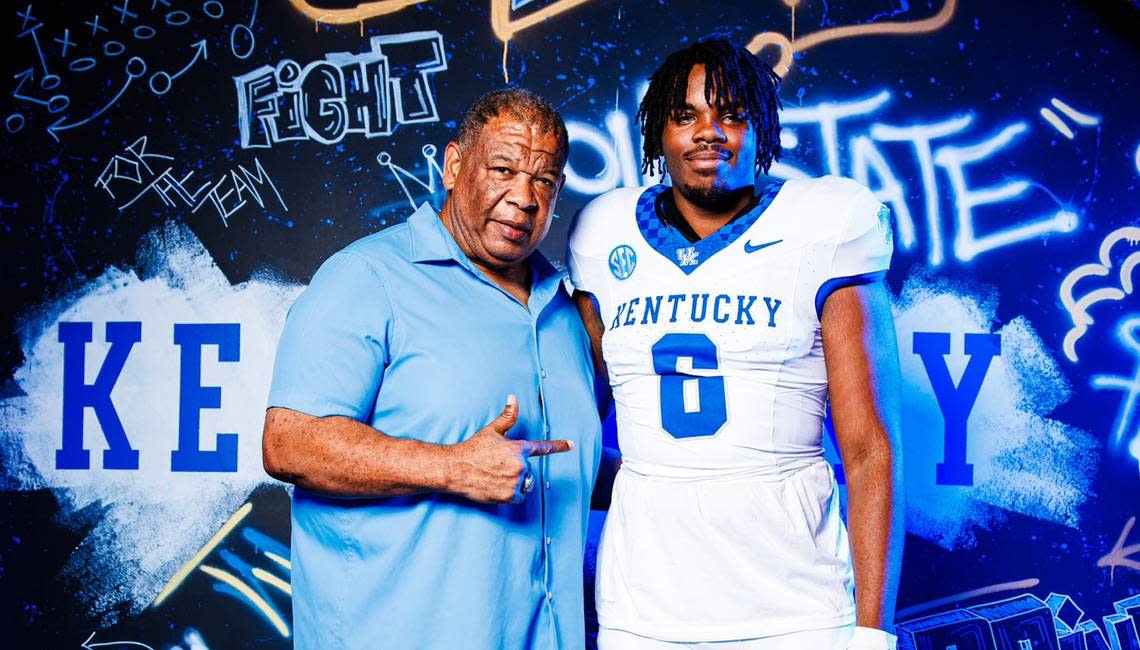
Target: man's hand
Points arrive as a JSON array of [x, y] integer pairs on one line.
[[489, 467]]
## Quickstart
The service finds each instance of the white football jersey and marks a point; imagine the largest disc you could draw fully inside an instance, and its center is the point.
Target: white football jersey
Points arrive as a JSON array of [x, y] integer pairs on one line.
[[725, 521]]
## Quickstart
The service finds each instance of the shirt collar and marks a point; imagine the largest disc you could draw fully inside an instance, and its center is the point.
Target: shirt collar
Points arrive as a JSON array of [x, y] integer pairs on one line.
[[431, 241], [546, 280]]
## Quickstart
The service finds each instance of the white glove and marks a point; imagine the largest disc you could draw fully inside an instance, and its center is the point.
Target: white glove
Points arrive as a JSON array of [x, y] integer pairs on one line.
[[869, 638]]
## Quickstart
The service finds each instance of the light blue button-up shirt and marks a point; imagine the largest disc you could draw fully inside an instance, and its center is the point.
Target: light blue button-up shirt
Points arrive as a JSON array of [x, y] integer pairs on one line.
[[401, 331]]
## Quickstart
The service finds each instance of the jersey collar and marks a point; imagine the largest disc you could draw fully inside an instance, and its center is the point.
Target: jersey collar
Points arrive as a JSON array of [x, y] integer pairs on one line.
[[686, 255]]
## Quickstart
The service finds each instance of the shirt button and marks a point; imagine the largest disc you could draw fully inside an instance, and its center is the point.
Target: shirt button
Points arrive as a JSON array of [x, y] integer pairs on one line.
[[550, 595], [547, 485], [542, 374], [548, 540]]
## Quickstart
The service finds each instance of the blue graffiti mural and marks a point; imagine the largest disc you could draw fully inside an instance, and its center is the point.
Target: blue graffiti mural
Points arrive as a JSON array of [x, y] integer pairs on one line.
[[1025, 623], [228, 194], [370, 93], [1126, 430], [178, 170], [78, 396]]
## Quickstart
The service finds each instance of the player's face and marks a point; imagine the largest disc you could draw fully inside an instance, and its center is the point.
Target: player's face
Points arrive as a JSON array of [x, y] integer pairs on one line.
[[503, 187], [710, 151]]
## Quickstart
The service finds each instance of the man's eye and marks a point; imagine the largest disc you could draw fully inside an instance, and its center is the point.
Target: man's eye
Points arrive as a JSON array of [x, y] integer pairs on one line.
[[545, 182], [733, 117], [502, 171]]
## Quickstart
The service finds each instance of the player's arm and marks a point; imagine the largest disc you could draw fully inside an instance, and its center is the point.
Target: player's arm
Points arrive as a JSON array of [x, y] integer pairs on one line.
[[592, 320], [610, 461], [341, 456], [861, 355]]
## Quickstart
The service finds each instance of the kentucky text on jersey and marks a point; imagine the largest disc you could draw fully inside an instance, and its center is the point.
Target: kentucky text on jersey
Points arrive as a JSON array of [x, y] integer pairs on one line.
[[696, 308]]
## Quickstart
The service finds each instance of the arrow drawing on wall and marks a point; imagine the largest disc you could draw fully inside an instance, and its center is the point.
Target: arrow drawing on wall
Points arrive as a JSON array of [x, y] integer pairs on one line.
[[87, 645], [58, 126], [199, 51], [166, 79], [29, 74]]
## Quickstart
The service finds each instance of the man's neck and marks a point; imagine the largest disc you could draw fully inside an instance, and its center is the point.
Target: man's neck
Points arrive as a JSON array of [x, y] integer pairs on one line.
[[514, 279], [707, 218]]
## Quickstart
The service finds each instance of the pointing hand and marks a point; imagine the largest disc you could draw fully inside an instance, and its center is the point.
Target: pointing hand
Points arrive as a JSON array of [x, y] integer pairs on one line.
[[490, 468]]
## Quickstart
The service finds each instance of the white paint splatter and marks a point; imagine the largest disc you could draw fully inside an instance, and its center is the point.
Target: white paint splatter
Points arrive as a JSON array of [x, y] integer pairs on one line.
[[1023, 461], [153, 520]]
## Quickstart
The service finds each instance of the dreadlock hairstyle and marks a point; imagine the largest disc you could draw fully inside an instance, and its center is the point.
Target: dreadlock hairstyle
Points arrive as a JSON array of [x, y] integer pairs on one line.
[[733, 77]]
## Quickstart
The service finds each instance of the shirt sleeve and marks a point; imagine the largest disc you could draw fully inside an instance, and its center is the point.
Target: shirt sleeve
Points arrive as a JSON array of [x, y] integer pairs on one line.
[[334, 348], [863, 249]]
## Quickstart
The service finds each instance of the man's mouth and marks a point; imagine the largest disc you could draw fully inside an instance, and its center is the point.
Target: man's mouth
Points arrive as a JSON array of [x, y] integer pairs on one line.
[[515, 232], [708, 154], [706, 159]]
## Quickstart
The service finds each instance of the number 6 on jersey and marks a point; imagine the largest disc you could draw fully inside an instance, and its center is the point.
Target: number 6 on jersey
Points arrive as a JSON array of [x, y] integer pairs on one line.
[[691, 406]]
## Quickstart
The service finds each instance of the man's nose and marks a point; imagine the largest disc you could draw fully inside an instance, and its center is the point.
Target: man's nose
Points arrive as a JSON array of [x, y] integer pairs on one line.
[[709, 130], [521, 193]]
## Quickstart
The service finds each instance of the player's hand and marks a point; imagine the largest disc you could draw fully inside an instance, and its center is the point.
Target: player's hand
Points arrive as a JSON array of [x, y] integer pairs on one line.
[[490, 468]]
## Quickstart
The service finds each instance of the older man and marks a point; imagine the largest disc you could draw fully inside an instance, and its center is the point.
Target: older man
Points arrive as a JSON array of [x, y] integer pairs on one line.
[[426, 514]]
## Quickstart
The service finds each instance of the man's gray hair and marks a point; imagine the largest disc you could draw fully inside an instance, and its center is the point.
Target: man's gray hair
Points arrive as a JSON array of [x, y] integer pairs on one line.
[[516, 103]]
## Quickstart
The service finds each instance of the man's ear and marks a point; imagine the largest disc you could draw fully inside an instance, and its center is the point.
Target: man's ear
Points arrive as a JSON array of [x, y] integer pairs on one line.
[[451, 154]]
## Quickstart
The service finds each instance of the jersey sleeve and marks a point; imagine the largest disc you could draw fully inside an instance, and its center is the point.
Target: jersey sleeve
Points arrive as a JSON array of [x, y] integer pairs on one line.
[[334, 348], [584, 260], [862, 252]]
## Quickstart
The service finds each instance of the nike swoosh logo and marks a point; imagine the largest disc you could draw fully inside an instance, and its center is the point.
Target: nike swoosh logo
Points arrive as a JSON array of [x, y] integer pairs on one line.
[[749, 248]]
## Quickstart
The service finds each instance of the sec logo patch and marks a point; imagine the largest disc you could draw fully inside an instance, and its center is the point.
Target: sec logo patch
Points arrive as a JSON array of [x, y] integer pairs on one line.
[[623, 260]]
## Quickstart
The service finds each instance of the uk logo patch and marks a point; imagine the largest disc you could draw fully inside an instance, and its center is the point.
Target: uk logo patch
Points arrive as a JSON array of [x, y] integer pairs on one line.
[[623, 260], [687, 256]]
